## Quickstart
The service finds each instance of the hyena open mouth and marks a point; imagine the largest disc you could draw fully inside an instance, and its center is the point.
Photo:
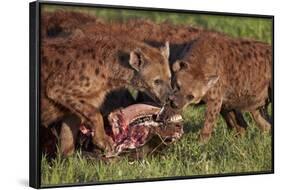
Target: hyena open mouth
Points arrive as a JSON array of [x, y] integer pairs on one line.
[[135, 125]]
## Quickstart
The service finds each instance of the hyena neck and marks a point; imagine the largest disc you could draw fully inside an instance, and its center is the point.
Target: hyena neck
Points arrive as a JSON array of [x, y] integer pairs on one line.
[[121, 74]]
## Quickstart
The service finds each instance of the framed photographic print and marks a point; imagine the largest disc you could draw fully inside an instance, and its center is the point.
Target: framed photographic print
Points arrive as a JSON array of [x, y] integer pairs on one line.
[[129, 94]]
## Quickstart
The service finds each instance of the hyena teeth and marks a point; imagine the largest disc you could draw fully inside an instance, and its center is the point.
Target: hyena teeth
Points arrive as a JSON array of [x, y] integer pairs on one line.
[[176, 118]]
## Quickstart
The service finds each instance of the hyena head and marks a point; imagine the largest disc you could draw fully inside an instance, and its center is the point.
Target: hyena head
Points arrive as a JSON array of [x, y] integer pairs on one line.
[[190, 84], [152, 71]]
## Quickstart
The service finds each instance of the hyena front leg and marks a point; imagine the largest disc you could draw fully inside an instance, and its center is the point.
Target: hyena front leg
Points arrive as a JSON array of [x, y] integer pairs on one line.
[[68, 134], [87, 112], [213, 108], [50, 112]]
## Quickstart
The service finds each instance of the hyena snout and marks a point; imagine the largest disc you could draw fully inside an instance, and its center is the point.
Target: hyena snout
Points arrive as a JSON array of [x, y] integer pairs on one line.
[[173, 101], [177, 100], [167, 92], [174, 104]]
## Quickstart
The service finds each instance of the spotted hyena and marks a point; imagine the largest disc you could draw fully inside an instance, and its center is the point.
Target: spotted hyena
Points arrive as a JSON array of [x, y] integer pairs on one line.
[[226, 73], [180, 37], [67, 24], [77, 74], [64, 23]]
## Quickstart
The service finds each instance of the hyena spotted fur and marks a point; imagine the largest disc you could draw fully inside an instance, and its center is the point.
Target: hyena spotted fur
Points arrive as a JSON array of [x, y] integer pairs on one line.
[[77, 74], [226, 73], [179, 36]]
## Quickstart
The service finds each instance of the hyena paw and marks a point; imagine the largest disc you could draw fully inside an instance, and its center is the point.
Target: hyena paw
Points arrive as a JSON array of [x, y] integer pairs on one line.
[[108, 145]]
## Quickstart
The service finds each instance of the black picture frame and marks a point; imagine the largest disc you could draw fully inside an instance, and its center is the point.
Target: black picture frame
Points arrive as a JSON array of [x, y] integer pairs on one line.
[[34, 98]]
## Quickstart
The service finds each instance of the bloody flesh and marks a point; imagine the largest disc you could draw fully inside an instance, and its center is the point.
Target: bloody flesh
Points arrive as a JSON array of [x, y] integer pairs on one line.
[[134, 125]]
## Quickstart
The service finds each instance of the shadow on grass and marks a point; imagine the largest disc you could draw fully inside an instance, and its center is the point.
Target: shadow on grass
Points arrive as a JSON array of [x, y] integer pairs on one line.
[[189, 127]]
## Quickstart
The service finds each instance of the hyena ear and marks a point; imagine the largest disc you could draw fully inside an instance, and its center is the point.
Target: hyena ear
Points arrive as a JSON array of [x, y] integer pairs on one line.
[[136, 60], [165, 50], [211, 81], [178, 65]]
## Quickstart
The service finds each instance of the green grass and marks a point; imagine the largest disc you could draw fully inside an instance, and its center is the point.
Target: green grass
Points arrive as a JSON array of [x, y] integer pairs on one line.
[[225, 153]]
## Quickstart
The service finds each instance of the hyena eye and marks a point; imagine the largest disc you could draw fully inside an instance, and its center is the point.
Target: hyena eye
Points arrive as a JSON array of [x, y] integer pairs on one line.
[[158, 81], [190, 97]]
